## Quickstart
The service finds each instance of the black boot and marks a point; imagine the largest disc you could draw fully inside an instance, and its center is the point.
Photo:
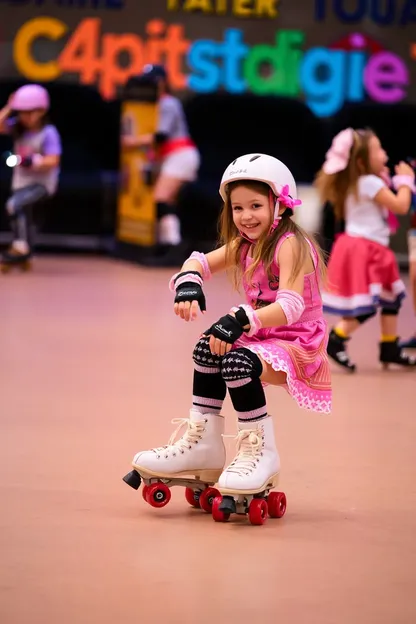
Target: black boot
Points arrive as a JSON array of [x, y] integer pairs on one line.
[[392, 353], [337, 351]]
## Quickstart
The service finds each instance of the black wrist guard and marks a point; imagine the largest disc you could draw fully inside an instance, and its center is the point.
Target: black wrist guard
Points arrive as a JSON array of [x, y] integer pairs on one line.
[[190, 289]]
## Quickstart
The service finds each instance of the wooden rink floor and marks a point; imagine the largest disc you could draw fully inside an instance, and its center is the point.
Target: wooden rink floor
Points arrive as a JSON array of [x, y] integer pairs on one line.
[[94, 365]]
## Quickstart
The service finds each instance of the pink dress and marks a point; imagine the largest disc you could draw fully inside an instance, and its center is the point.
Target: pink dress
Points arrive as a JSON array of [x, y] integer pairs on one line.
[[299, 350], [362, 276]]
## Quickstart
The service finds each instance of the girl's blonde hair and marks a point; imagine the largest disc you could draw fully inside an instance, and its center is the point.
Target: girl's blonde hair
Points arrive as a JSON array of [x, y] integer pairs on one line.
[[334, 188], [264, 249]]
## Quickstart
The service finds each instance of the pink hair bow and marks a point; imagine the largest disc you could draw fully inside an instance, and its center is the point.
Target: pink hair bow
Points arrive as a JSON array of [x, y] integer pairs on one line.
[[338, 155], [286, 200]]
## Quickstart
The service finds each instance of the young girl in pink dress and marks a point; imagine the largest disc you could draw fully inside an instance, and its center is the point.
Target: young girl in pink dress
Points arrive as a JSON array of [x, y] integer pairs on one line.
[[362, 272], [278, 336]]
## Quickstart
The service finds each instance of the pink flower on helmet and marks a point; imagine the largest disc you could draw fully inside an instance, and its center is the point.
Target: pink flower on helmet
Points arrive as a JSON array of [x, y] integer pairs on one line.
[[338, 156]]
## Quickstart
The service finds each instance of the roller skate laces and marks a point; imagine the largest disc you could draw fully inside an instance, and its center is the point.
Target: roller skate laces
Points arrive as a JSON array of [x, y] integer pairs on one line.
[[246, 484], [249, 450], [192, 436], [163, 467]]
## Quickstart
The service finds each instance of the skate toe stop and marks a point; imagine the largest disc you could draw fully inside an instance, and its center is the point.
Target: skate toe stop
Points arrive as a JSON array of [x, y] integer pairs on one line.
[[228, 505], [133, 479]]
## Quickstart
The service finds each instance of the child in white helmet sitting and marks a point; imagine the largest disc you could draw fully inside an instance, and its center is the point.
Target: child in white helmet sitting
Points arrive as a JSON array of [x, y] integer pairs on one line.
[[36, 160], [278, 336]]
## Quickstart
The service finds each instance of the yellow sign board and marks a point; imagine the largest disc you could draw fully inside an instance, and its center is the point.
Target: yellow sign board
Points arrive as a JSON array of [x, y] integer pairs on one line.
[[136, 206]]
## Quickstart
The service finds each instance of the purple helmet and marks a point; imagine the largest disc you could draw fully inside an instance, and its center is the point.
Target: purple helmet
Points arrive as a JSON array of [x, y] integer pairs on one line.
[[30, 97]]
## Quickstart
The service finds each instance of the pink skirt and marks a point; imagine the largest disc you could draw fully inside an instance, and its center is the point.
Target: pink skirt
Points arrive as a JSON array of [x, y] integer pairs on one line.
[[362, 276], [300, 352]]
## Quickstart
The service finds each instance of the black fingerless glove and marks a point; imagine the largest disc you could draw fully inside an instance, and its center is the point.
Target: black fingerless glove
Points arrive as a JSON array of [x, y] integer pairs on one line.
[[190, 290], [229, 328]]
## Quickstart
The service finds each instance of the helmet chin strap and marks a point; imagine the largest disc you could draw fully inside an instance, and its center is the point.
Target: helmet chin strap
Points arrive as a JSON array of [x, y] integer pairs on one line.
[[276, 217]]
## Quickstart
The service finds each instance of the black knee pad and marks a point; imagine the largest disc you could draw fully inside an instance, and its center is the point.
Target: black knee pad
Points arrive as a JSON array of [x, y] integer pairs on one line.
[[241, 363], [202, 355], [362, 318], [164, 209], [391, 311]]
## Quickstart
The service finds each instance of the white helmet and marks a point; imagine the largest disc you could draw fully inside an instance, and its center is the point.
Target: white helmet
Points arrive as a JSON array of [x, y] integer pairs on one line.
[[267, 169], [262, 168]]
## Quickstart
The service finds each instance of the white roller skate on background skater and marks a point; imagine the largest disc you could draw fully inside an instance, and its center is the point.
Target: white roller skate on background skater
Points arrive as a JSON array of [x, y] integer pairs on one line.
[[245, 485], [195, 461]]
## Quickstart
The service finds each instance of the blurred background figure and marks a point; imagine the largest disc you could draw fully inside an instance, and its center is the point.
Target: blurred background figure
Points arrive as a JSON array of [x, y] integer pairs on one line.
[[363, 274], [411, 342], [176, 161], [35, 161]]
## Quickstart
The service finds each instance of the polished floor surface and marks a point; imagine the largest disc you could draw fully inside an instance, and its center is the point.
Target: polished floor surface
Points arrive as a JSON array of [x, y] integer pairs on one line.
[[94, 366]]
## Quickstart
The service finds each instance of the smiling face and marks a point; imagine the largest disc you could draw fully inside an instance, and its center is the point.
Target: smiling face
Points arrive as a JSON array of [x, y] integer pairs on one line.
[[251, 210]]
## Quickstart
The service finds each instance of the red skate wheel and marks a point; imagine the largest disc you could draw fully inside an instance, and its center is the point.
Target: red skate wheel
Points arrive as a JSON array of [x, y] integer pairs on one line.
[[144, 492], [158, 494], [257, 512], [207, 498], [276, 502], [192, 497], [219, 516]]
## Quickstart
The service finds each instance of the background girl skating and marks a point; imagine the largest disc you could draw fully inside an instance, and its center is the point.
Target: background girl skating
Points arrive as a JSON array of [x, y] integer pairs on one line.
[[37, 145], [278, 336], [179, 162], [410, 343], [362, 272]]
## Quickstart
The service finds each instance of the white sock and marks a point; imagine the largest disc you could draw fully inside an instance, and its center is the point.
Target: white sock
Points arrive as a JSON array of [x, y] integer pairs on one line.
[[21, 246], [169, 230]]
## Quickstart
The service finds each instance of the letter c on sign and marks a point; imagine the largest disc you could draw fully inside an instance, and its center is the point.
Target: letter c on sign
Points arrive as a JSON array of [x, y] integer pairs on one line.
[[48, 27]]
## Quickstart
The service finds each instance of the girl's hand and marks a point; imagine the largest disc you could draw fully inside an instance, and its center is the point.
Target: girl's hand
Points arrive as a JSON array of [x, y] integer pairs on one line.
[[218, 347], [404, 169], [187, 310], [189, 296], [223, 334]]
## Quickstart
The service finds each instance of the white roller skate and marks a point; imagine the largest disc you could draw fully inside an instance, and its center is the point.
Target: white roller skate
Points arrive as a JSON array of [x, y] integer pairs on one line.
[[246, 483], [194, 461]]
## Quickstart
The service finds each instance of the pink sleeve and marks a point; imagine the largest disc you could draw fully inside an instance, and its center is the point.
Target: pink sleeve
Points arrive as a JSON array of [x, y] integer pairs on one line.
[[52, 142]]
